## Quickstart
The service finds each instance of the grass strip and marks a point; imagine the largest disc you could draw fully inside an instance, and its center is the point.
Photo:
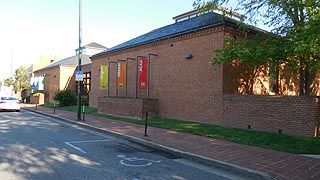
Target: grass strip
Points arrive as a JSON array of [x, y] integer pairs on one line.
[[284, 143]]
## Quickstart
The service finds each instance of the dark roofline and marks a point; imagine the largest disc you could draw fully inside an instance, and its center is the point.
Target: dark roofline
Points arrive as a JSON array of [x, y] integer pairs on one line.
[[227, 21], [172, 30], [158, 39]]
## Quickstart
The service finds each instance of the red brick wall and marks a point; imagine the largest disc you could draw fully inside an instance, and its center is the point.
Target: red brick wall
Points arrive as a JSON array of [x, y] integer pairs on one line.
[[95, 82], [289, 114], [192, 90], [186, 89], [51, 82], [37, 98], [56, 78], [129, 107]]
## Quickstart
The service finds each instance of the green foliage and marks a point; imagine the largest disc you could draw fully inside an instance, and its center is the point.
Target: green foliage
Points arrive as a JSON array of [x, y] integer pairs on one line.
[[19, 81], [85, 100], [292, 144], [255, 50], [65, 97], [283, 16], [8, 82], [26, 99], [295, 42]]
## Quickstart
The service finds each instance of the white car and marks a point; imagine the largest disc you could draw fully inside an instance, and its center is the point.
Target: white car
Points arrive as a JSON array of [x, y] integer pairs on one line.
[[9, 103]]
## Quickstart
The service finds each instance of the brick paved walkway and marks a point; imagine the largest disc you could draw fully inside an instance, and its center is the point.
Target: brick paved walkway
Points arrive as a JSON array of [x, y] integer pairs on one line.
[[278, 165]]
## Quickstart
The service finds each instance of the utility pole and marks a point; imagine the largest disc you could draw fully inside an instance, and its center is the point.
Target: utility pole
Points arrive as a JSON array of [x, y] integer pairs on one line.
[[11, 74], [79, 64]]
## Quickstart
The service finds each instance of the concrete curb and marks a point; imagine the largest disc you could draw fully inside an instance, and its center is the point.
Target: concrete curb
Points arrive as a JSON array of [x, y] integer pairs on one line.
[[228, 167]]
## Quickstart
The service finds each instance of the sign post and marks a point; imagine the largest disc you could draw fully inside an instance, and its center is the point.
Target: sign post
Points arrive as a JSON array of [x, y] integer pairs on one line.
[[83, 112], [79, 79], [79, 75], [54, 107]]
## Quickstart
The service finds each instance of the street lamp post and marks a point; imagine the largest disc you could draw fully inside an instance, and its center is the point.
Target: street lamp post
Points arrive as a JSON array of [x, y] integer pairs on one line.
[[79, 65]]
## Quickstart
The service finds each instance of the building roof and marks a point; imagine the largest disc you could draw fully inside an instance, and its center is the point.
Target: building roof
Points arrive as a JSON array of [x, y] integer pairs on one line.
[[70, 61], [95, 45], [178, 28]]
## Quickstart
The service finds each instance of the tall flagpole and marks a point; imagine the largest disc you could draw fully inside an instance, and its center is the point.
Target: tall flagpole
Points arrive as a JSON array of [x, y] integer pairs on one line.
[[79, 64]]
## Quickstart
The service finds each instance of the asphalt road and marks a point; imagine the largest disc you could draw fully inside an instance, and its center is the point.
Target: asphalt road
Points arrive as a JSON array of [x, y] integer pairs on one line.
[[33, 146]]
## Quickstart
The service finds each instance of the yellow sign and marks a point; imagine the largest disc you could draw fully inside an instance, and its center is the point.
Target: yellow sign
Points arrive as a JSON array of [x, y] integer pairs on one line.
[[103, 77]]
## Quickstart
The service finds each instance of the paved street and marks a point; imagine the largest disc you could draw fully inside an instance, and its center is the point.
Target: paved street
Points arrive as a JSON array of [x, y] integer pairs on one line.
[[39, 147]]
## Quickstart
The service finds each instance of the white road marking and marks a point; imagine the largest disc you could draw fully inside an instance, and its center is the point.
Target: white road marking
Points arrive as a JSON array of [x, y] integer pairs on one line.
[[75, 147], [90, 141], [126, 161]]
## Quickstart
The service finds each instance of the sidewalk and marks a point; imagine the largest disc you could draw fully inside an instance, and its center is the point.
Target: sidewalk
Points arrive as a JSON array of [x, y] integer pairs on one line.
[[260, 163]]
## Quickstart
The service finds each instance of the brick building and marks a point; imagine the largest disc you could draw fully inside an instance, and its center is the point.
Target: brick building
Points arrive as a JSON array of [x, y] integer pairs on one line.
[[41, 63], [183, 85], [60, 75]]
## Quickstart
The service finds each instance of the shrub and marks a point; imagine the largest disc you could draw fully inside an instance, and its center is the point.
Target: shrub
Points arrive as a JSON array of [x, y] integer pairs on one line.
[[26, 99], [65, 97], [85, 100]]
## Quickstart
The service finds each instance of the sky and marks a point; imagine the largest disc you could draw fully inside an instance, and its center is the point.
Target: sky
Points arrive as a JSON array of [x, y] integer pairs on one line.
[[31, 28]]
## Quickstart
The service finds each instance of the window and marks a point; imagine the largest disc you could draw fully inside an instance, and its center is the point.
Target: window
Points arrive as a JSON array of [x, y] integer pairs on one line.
[[87, 82]]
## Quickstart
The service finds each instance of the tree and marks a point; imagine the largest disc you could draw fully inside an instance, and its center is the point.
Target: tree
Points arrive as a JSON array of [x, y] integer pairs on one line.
[[19, 81], [294, 41], [8, 82]]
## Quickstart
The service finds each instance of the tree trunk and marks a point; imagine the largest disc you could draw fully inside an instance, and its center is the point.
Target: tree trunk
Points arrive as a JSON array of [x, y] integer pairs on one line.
[[274, 74], [302, 78], [307, 81]]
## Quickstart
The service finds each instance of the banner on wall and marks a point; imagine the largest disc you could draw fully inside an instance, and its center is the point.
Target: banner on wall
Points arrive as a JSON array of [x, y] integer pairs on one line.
[[103, 77], [143, 73], [41, 83], [37, 83], [32, 83], [121, 74]]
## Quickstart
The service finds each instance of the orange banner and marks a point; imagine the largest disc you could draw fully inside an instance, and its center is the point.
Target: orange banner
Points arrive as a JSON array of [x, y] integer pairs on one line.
[[121, 79]]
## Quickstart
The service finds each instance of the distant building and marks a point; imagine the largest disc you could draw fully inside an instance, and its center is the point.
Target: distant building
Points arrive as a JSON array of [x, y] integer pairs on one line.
[[91, 49], [60, 75], [29, 69]]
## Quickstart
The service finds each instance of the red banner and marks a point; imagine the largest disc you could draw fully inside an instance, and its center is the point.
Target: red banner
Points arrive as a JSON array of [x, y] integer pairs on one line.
[[121, 74], [143, 73]]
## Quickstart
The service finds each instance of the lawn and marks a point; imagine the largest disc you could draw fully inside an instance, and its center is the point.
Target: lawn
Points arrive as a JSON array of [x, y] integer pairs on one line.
[[285, 143]]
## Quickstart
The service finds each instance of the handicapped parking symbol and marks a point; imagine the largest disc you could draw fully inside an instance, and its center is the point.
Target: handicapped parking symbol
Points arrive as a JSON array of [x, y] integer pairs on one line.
[[136, 161]]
